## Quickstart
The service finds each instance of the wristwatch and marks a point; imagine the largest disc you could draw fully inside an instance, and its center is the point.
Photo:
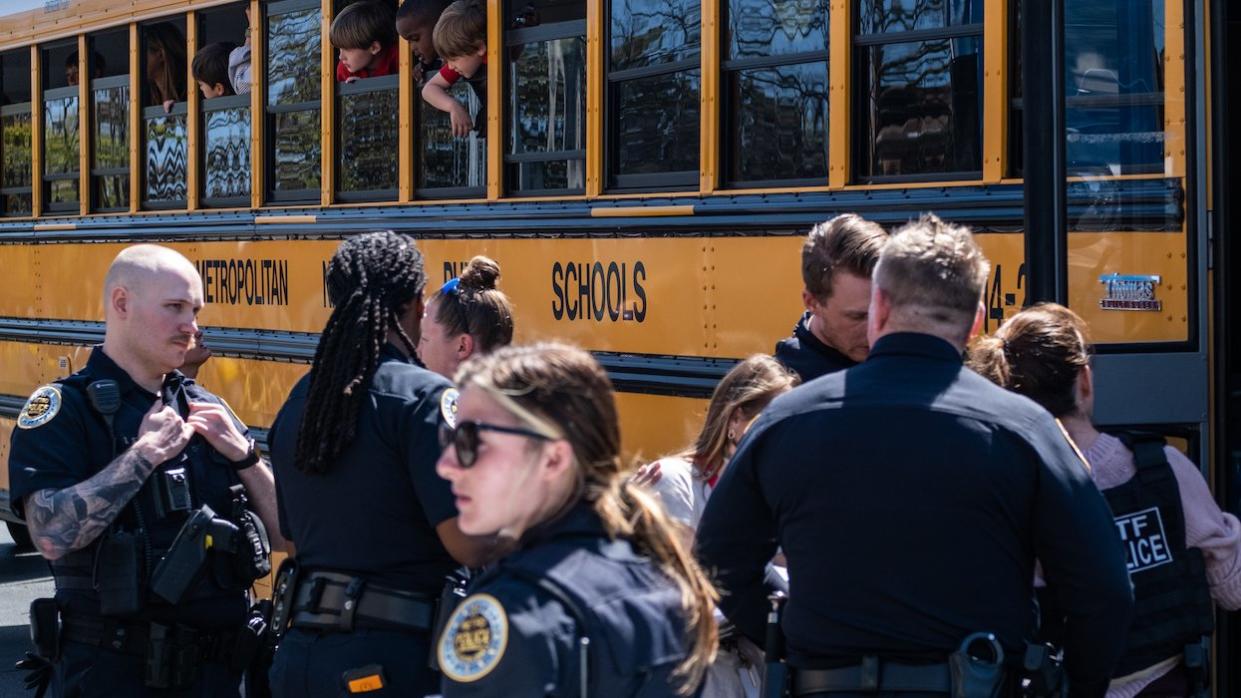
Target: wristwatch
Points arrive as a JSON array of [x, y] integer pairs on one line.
[[251, 458]]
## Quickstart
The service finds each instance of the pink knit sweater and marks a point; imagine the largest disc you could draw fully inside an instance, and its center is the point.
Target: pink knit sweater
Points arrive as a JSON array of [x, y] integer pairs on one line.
[[1216, 533]]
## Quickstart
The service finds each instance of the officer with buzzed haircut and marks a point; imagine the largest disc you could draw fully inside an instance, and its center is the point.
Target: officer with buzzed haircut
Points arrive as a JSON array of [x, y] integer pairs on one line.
[[911, 497], [147, 496], [836, 264]]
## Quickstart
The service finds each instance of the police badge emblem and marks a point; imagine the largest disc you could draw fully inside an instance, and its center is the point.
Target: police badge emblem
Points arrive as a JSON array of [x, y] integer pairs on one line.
[[448, 407], [43, 404], [474, 639]]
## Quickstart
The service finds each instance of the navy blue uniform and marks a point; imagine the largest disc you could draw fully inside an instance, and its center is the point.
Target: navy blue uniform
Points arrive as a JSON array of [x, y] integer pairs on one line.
[[911, 497], [74, 444], [519, 632], [807, 356], [372, 514]]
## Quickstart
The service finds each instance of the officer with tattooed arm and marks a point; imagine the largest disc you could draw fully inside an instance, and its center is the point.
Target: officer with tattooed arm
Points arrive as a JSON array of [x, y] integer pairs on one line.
[[147, 497]]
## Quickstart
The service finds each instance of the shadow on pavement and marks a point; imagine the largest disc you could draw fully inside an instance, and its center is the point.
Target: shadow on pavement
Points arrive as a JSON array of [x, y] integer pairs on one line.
[[20, 567]]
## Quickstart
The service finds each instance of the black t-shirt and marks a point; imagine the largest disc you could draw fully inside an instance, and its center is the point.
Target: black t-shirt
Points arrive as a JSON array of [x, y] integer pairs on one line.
[[911, 497], [807, 356], [65, 441], [374, 512]]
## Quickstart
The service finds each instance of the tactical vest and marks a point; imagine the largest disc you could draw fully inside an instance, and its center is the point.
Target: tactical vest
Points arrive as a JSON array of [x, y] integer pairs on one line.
[[1172, 606], [632, 642]]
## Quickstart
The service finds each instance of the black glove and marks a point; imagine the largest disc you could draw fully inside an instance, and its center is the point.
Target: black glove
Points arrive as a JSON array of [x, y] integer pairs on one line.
[[39, 673]]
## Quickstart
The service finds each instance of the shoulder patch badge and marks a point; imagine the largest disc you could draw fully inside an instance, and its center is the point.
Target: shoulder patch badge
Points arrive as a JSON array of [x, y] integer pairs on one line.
[[43, 404], [448, 406], [474, 639]]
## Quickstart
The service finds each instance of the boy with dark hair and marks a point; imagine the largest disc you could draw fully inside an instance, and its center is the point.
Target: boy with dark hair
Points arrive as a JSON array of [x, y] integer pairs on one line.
[[460, 38], [365, 35], [210, 69], [415, 22]]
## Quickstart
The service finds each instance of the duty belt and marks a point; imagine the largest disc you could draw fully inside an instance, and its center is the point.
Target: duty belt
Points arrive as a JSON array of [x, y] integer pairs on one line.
[[132, 637], [333, 601], [874, 675]]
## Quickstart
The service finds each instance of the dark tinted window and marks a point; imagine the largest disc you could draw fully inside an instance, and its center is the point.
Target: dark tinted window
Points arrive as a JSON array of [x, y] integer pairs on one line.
[[165, 156], [659, 127], [775, 27], [15, 134], [451, 166], [880, 16], [649, 32], [293, 91], [110, 167], [226, 142], [368, 138]]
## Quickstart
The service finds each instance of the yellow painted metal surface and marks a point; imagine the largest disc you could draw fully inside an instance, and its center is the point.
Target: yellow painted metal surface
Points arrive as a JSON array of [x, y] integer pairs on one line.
[[839, 70], [595, 53], [494, 127], [327, 102], [27, 366], [258, 119], [36, 131], [657, 425], [995, 90], [405, 120], [709, 102], [1174, 89], [7, 425], [86, 124], [135, 119], [254, 389], [193, 119]]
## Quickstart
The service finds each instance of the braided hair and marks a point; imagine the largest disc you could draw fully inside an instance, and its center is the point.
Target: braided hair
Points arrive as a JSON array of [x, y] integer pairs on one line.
[[371, 279]]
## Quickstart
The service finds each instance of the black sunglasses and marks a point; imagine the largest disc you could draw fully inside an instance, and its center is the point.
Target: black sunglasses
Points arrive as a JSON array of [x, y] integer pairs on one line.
[[464, 438]]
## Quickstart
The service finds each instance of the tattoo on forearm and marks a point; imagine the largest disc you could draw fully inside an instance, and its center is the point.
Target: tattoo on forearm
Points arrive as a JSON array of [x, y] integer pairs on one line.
[[62, 521]]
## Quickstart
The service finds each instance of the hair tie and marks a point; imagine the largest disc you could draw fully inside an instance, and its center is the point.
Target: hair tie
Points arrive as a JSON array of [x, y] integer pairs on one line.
[[450, 286]]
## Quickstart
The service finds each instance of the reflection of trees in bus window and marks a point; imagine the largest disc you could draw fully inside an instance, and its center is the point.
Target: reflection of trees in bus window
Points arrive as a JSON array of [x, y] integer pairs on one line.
[[648, 32], [368, 138], [227, 134], [1114, 87], [547, 114], [15, 181], [62, 191], [658, 124], [60, 136], [293, 66], [296, 151], [165, 158], [775, 27], [111, 147], [881, 16], [447, 162]]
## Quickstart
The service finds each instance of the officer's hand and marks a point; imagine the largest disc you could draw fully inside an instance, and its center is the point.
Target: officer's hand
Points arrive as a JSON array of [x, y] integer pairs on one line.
[[218, 428], [38, 673], [163, 433]]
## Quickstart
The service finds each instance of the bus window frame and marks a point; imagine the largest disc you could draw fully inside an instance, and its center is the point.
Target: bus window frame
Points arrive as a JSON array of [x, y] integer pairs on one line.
[[857, 89], [10, 110], [513, 38], [156, 111], [105, 83], [298, 197], [74, 207], [206, 106], [383, 83]]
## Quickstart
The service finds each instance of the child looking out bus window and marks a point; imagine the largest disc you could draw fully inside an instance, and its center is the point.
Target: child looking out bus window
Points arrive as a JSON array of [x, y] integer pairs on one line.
[[460, 39], [210, 69], [365, 35]]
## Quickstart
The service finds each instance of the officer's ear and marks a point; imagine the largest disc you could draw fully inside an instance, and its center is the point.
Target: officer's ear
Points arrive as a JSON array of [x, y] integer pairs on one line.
[[877, 314], [119, 300], [465, 346], [559, 458], [979, 315], [809, 301]]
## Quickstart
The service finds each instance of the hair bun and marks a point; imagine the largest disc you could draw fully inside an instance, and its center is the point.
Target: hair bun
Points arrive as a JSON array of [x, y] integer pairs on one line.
[[480, 274]]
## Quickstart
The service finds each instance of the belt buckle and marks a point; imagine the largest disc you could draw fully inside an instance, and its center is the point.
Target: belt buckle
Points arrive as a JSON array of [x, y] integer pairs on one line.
[[869, 674], [353, 593]]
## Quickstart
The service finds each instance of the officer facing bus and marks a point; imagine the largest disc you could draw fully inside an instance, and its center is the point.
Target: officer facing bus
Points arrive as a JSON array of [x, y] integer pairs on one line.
[[134, 482], [375, 528], [911, 497], [600, 597]]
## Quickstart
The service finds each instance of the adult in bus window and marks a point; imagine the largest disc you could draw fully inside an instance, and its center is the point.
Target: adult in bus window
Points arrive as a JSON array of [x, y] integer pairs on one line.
[[600, 596], [910, 498], [354, 448], [120, 471], [1044, 353], [467, 316], [165, 65], [685, 481], [837, 260]]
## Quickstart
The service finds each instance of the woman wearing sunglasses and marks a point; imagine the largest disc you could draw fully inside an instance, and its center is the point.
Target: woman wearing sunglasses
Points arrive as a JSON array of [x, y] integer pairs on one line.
[[600, 596], [354, 450]]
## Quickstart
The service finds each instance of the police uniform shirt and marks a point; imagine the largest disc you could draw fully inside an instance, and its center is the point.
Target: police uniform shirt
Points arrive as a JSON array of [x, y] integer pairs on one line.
[[807, 356], [61, 440], [911, 497], [375, 510], [519, 631]]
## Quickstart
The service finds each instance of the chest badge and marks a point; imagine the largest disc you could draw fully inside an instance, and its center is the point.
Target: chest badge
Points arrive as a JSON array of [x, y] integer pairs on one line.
[[448, 406], [474, 640], [43, 404]]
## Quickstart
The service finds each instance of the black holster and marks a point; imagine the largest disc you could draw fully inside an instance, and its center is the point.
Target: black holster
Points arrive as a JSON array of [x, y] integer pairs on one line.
[[45, 628], [977, 667], [173, 658], [776, 682], [1197, 661]]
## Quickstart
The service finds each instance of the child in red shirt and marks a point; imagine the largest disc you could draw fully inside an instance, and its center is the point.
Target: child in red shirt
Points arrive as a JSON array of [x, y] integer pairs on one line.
[[461, 40], [365, 34]]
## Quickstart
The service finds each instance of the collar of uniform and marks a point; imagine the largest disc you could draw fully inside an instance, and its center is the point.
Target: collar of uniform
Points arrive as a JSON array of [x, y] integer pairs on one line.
[[100, 365], [915, 344], [807, 338], [579, 520], [389, 351]]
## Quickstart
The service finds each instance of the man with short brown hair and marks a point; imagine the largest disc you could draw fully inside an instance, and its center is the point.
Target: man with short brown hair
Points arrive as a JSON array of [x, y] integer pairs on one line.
[[836, 264]]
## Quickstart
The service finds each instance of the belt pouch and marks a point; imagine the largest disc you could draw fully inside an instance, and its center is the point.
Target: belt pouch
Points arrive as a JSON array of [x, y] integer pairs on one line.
[[187, 657], [159, 657], [45, 628], [118, 575], [973, 677]]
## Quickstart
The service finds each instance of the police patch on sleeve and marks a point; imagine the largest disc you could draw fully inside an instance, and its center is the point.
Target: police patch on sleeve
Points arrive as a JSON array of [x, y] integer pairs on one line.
[[474, 639], [43, 404], [448, 406]]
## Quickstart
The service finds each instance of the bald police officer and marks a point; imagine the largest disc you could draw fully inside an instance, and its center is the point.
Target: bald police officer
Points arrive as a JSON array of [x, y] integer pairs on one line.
[[911, 498], [121, 471]]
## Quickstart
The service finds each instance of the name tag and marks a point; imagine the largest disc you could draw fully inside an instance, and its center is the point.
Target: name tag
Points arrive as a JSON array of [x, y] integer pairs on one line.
[[1146, 544]]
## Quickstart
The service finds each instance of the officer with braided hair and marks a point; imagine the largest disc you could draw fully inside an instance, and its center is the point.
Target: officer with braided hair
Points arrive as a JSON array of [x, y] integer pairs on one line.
[[375, 529]]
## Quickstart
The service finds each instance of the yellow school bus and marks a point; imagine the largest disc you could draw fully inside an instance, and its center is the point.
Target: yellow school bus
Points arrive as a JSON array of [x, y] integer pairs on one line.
[[643, 170]]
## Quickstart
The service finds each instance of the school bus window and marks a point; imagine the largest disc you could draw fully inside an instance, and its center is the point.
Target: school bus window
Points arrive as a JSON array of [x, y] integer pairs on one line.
[[367, 100], [293, 92], [61, 140], [545, 45], [164, 115], [917, 89], [1114, 87], [108, 63], [775, 91], [15, 129], [653, 82], [221, 71]]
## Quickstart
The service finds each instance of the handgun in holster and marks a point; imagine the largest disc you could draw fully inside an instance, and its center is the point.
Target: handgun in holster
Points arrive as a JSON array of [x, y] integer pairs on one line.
[[284, 591], [1042, 674], [201, 532], [451, 595], [776, 682]]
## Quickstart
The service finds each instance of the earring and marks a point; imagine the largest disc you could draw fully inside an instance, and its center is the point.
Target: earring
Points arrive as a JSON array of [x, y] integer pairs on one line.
[[731, 435]]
